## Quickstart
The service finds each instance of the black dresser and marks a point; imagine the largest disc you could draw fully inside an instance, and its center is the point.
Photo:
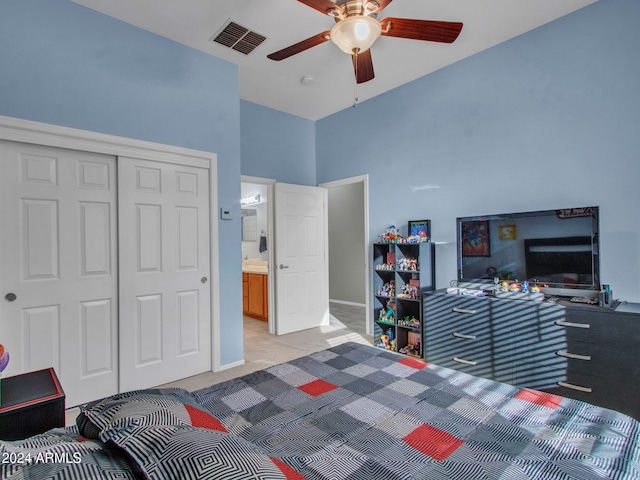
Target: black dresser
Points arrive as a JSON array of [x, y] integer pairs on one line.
[[578, 351]]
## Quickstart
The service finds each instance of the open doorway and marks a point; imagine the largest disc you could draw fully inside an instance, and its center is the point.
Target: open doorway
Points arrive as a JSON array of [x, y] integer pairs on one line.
[[348, 237], [257, 251]]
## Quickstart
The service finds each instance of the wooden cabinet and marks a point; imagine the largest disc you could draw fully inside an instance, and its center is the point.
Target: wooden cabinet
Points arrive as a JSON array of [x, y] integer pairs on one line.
[[255, 295], [402, 272], [245, 293], [576, 351]]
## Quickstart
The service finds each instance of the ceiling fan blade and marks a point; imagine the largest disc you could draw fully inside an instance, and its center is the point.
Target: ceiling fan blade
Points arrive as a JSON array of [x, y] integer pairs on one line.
[[323, 6], [427, 30], [300, 46], [363, 66]]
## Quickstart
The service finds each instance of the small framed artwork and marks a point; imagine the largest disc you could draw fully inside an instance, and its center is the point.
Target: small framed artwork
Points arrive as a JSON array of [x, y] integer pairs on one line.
[[475, 239], [507, 232], [419, 228]]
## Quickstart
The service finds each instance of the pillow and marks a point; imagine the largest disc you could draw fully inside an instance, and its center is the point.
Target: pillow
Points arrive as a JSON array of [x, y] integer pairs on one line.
[[186, 452], [62, 453], [144, 408]]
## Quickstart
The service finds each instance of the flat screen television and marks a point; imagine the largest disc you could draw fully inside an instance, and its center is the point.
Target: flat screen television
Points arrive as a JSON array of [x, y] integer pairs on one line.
[[557, 249]]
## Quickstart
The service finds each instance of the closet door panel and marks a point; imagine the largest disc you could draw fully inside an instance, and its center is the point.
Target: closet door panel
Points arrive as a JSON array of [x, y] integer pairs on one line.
[[57, 258], [165, 301]]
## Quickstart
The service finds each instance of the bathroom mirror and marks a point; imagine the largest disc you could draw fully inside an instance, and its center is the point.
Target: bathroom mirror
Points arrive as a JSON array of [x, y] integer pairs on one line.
[[249, 225]]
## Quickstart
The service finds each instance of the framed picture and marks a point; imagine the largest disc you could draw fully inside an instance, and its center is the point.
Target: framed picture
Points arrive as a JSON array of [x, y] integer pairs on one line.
[[507, 232], [419, 228], [475, 239]]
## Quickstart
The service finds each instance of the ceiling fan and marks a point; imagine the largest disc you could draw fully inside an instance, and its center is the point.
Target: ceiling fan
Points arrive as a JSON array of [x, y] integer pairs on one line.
[[357, 28]]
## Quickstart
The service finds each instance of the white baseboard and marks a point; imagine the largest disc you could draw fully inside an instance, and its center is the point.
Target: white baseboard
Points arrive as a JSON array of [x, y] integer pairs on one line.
[[344, 302], [227, 366]]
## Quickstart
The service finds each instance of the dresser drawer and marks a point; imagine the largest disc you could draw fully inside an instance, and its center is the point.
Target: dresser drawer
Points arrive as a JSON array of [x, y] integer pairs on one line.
[[478, 366], [453, 306], [459, 334], [620, 396], [601, 360], [601, 326]]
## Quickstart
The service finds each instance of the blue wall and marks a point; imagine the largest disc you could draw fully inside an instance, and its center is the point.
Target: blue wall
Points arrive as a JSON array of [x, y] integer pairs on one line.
[[550, 119], [277, 145], [63, 64]]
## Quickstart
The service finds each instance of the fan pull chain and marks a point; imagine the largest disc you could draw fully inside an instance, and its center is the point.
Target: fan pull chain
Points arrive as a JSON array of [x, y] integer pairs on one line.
[[355, 85]]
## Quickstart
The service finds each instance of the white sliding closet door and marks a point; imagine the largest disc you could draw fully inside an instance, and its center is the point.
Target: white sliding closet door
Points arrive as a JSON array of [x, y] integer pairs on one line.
[[165, 308], [58, 270]]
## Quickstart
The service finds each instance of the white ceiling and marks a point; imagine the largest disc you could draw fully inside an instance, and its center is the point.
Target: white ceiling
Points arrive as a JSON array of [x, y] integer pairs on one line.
[[284, 22]]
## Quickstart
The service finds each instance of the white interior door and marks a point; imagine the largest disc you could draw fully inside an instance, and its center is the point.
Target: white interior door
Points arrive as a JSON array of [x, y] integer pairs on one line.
[[302, 293], [165, 308], [58, 266]]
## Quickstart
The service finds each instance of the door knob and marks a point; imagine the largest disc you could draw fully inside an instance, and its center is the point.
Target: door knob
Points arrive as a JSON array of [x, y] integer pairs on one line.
[[203, 280], [283, 266], [10, 297]]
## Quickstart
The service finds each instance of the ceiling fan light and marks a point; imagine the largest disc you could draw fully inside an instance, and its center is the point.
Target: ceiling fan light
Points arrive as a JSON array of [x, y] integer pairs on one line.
[[357, 32]]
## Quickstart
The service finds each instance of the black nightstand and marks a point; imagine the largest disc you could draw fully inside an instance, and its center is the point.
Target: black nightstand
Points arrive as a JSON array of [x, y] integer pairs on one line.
[[32, 403]]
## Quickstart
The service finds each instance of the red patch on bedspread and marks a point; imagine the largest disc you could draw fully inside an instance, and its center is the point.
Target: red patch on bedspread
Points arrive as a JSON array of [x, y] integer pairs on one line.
[[317, 387], [204, 420], [539, 398], [433, 442], [287, 471], [413, 363]]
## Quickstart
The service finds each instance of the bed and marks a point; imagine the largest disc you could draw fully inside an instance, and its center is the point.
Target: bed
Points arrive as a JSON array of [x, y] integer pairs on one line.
[[352, 411]]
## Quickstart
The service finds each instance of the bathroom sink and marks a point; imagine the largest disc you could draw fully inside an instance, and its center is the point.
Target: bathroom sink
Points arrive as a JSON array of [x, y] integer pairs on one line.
[[254, 265]]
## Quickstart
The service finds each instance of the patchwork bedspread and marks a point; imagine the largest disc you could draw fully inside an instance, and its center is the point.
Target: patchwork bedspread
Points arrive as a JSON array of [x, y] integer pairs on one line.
[[353, 412], [359, 412]]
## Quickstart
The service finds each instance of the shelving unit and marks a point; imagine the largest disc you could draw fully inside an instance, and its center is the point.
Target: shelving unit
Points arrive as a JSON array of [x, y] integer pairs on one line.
[[402, 272]]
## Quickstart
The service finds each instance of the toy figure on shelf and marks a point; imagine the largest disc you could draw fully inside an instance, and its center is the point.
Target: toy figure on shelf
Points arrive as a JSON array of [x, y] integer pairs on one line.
[[387, 290], [410, 322], [410, 291], [408, 264], [385, 266], [387, 342], [410, 349], [387, 314], [390, 235]]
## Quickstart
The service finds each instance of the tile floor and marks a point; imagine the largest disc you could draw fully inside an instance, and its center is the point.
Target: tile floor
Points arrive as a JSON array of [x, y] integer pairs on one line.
[[262, 350]]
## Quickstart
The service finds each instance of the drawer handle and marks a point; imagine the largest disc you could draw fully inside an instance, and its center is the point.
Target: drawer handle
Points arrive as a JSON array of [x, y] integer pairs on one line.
[[462, 335], [573, 355], [462, 310], [575, 387], [466, 362], [571, 324]]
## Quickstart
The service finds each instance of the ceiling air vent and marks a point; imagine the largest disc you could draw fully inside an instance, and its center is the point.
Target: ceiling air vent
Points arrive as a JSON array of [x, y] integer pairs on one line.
[[239, 38]]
